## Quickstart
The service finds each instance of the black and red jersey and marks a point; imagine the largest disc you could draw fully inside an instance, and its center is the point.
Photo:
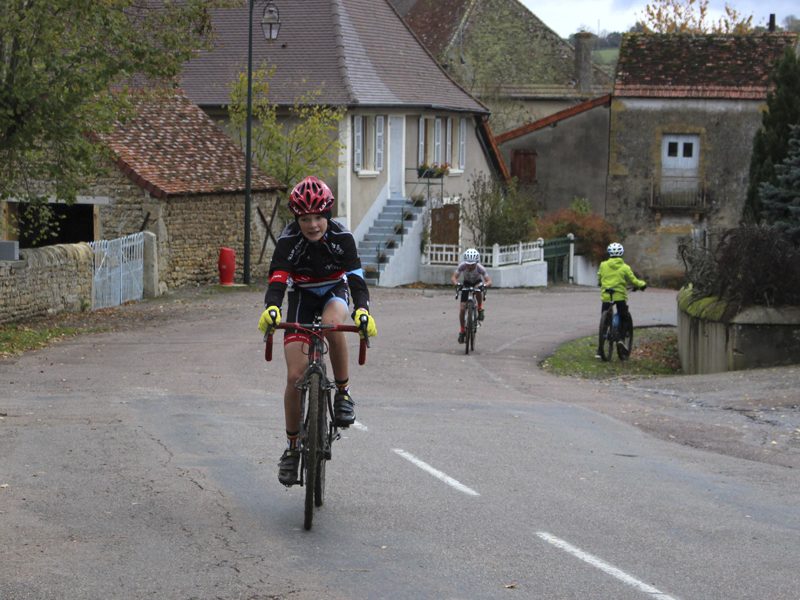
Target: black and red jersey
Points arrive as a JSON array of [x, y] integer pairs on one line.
[[316, 267]]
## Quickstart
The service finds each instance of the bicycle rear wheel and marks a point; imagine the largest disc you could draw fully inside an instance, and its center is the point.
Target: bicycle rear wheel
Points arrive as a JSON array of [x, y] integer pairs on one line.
[[325, 442], [606, 336], [312, 450], [474, 328], [625, 353]]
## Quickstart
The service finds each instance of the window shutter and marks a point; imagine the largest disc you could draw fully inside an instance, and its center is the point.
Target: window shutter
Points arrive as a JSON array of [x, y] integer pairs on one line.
[[523, 165], [421, 134], [379, 143], [462, 143], [437, 140], [358, 142], [448, 151]]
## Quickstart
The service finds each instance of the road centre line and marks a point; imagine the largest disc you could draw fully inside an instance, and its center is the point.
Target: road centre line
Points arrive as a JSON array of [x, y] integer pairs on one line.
[[603, 566], [435, 472]]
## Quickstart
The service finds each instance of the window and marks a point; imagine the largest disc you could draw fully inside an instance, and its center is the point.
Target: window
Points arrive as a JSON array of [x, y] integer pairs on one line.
[[439, 141], [369, 138], [462, 144], [448, 148]]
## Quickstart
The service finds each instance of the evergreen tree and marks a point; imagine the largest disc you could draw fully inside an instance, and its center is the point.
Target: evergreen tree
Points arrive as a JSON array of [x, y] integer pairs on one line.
[[781, 202], [771, 143]]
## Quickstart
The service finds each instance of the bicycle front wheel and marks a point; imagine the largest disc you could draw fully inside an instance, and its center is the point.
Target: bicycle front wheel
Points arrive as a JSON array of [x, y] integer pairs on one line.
[[606, 341], [624, 353], [468, 333], [325, 446], [313, 449]]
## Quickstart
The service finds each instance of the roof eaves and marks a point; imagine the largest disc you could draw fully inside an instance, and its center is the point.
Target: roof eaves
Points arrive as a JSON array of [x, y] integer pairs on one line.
[[709, 91], [337, 9]]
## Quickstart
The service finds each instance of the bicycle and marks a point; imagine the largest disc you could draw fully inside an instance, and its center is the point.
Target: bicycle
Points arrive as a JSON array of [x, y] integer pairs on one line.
[[318, 430], [471, 321], [610, 329]]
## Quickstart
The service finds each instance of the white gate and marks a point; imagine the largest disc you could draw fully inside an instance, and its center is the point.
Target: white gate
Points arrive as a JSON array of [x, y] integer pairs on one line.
[[118, 270]]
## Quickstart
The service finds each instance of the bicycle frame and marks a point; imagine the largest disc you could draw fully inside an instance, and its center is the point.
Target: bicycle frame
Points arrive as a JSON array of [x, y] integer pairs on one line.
[[471, 322], [318, 430], [610, 332]]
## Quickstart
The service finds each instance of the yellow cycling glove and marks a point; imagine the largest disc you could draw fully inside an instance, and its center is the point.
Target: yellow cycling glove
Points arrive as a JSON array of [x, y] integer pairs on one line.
[[266, 321], [372, 329]]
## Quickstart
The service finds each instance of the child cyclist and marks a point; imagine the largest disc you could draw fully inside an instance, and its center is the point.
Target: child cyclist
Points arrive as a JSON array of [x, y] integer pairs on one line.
[[316, 260], [616, 275], [473, 273]]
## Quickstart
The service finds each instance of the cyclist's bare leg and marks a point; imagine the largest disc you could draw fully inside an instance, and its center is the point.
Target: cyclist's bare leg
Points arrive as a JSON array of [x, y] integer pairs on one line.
[[296, 362], [461, 313], [335, 313]]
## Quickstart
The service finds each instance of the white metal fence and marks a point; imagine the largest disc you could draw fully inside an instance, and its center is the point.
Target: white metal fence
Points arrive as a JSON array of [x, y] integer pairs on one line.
[[118, 270], [491, 256]]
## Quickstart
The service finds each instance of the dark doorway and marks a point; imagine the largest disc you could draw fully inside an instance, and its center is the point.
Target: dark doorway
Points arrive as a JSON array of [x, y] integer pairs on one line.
[[73, 223]]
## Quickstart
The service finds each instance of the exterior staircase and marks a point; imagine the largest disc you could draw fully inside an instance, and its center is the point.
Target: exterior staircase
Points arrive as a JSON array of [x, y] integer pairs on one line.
[[385, 236]]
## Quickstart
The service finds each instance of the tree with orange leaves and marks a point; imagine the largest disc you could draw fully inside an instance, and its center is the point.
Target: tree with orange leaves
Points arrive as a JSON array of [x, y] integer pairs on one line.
[[691, 16]]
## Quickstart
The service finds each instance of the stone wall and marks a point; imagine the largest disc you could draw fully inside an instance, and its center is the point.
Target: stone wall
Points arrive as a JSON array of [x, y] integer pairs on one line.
[[190, 230], [45, 281], [725, 130]]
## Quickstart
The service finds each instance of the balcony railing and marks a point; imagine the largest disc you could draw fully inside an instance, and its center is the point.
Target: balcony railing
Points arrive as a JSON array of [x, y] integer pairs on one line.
[[679, 193]]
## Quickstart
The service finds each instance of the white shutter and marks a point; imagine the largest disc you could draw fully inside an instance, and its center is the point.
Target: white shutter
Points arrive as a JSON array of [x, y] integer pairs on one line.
[[462, 143], [421, 134], [448, 151], [358, 142], [437, 141], [379, 143]]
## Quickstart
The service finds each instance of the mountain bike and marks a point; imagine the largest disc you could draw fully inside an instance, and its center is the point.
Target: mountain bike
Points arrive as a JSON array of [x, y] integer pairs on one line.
[[611, 327], [471, 321], [318, 430]]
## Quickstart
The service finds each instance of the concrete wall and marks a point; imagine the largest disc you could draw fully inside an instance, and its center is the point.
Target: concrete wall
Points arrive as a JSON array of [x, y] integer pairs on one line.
[[725, 129], [757, 337], [533, 274], [572, 160], [45, 281]]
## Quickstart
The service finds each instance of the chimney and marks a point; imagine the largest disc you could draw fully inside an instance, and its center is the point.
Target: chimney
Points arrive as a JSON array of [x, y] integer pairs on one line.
[[583, 61], [772, 23]]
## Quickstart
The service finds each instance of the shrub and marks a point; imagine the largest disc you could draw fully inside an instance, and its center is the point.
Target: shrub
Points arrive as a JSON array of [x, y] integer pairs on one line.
[[592, 232], [752, 265], [496, 213]]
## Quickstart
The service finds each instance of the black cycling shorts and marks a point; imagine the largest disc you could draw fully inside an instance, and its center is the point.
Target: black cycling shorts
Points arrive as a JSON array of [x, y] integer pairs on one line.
[[304, 306]]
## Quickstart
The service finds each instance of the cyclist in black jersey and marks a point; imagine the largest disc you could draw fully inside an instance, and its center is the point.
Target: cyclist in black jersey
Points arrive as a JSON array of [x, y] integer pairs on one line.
[[317, 261]]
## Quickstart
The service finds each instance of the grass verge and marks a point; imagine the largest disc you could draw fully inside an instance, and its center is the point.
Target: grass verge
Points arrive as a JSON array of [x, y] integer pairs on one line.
[[655, 352], [16, 339]]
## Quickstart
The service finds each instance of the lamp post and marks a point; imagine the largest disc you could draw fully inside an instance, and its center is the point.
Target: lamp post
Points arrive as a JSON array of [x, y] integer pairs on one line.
[[270, 26]]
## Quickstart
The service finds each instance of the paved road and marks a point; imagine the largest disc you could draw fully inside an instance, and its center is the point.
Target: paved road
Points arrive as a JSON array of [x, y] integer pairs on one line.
[[141, 463]]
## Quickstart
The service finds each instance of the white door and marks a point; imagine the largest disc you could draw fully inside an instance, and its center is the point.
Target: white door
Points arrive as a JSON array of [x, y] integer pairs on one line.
[[680, 161], [397, 127]]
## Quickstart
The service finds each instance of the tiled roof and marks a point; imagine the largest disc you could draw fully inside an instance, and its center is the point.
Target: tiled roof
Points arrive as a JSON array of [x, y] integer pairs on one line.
[[520, 45], [171, 147], [699, 66], [356, 52]]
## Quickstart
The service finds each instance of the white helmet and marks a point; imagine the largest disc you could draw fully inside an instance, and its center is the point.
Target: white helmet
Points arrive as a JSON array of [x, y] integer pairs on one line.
[[615, 249], [471, 256]]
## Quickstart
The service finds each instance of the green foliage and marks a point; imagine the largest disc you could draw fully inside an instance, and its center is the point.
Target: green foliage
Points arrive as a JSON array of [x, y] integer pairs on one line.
[[497, 214], [306, 142], [781, 202], [16, 339], [592, 232], [691, 16], [581, 206], [58, 62], [771, 142], [752, 265]]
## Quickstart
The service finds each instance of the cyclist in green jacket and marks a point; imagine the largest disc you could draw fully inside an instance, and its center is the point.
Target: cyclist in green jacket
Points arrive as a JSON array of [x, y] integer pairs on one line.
[[615, 274]]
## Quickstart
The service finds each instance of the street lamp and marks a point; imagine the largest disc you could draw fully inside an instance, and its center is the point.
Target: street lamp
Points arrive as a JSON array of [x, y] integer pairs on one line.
[[270, 26]]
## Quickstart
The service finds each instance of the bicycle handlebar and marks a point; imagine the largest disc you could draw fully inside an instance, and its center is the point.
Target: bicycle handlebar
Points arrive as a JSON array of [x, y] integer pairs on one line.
[[470, 288], [316, 329]]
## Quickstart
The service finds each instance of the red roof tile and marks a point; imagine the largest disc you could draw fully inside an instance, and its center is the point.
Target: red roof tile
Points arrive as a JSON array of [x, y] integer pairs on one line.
[[699, 66], [171, 147]]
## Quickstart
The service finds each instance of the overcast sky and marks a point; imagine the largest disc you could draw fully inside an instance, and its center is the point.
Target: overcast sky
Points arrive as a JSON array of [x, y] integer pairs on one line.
[[566, 17]]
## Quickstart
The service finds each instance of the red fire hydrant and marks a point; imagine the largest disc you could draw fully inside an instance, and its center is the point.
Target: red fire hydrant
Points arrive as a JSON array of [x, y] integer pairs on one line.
[[227, 266]]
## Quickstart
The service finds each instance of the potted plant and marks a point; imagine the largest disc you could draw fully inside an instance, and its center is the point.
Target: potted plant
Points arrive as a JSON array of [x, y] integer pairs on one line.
[[433, 170]]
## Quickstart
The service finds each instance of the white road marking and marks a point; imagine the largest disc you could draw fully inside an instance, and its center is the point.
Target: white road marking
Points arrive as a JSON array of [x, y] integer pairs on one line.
[[435, 472], [604, 566]]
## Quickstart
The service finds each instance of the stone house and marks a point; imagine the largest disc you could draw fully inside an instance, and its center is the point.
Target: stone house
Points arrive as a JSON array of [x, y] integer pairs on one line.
[[506, 57], [402, 109], [173, 172], [684, 112], [179, 176], [563, 156]]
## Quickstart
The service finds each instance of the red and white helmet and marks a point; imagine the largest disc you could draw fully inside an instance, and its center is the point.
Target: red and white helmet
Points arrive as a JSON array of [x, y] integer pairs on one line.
[[310, 197], [615, 249]]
